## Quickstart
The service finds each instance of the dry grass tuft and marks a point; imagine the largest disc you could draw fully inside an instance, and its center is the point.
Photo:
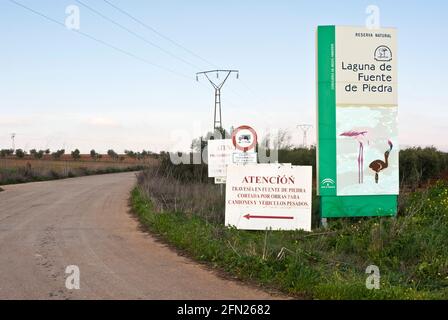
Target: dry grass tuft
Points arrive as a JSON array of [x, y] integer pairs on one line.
[[168, 194]]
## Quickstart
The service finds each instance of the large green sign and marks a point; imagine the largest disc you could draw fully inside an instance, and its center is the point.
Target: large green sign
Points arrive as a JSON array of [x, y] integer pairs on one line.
[[357, 154]]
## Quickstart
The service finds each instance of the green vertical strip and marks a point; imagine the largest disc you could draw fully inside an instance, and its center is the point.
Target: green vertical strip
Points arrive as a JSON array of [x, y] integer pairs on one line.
[[326, 110]]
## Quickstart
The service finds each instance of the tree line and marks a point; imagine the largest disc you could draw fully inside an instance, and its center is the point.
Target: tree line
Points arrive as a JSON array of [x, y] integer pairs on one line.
[[75, 154], [418, 166]]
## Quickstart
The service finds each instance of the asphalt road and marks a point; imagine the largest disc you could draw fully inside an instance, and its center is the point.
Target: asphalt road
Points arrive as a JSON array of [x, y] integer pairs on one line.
[[47, 226]]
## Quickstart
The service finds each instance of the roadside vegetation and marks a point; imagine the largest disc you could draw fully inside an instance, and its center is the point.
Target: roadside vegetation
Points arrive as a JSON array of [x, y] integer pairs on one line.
[[187, 210], [40, 165]]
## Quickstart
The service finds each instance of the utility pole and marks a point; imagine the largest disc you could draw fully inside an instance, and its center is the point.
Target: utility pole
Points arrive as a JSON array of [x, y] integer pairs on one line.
[[13, 137], [305, 128], [217, 116]]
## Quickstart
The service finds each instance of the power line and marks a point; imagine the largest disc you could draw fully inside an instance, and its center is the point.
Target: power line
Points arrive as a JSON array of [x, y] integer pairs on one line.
[[111, 46], [143, 24], [104, 43], [137, 35], [160, 35]]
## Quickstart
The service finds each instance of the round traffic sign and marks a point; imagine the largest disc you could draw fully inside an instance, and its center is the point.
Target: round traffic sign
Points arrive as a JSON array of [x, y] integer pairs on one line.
[[244, 138]]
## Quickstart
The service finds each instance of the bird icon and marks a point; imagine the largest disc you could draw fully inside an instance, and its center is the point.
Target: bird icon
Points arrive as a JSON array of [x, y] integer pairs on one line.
[[379, 165]]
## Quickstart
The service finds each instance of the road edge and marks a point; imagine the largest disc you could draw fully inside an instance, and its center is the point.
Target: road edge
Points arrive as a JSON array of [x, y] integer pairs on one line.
[[141, 213]]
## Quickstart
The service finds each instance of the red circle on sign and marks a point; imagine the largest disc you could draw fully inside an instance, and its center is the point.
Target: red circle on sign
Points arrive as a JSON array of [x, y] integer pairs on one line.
[[252, 145]]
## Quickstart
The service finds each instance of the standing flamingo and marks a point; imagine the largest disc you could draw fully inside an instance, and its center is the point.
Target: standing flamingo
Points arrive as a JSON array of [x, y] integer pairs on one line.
[[359, 136], [380, 165]]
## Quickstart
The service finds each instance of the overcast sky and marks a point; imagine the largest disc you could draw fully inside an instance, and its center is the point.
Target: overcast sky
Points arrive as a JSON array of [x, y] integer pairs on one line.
[[59, 89]]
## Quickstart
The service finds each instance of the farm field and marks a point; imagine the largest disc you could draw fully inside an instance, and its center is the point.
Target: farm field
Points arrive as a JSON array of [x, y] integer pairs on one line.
[[13, 170]]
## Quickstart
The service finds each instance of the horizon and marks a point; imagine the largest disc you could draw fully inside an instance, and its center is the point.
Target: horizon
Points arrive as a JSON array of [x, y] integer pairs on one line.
[[124, 152]]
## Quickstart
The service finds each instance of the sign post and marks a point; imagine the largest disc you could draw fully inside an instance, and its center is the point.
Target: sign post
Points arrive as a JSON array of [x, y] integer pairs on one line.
[[357, 151]]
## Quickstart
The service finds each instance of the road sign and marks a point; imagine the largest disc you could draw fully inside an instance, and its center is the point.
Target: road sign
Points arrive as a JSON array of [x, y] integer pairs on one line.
[[268, 196], [357, 165], [244, 138], [220, 154]]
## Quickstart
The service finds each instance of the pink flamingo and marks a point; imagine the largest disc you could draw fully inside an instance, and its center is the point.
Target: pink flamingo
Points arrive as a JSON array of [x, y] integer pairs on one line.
[[360, 137]]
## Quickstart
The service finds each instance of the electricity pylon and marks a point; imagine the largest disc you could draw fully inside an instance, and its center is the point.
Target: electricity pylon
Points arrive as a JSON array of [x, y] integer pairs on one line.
[[305, 128], [217, 116], [13, 137]]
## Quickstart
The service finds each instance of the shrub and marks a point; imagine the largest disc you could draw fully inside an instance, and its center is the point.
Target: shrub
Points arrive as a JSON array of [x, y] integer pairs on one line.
[[418, 166], [184, 172], [93, 154], [76, 154], [111, 153], [192, 198], [6, 152], [20, 153], [58, 154]]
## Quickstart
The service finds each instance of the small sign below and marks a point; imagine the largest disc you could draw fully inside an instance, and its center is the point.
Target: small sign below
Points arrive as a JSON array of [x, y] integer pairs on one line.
[[244, 158], [220, 180]]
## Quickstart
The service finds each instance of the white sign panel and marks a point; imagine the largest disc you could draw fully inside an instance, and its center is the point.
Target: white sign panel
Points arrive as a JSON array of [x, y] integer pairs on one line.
[[244, 157], [366, 66], [220, 154], [260, 197], [366, 116]]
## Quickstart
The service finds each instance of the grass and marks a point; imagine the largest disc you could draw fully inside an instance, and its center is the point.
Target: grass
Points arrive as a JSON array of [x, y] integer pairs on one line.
[[14, 171], [409, 250]]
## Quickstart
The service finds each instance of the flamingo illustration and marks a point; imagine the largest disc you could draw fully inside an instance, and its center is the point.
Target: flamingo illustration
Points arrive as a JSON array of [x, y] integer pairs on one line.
[[380, 165], [359, 136]]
